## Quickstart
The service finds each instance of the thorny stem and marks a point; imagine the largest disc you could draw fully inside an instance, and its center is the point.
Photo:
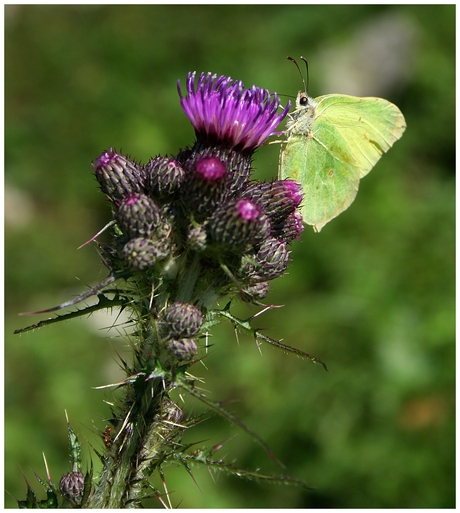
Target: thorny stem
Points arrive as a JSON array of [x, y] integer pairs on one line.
[[120, 483], [139, 432]]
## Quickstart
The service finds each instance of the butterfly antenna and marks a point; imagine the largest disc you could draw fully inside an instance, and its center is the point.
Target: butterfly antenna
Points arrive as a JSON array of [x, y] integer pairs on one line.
[[300, 73], [307, 74]]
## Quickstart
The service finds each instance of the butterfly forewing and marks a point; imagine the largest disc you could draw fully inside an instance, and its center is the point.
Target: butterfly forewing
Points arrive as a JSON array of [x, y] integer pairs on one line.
[[366, 127]]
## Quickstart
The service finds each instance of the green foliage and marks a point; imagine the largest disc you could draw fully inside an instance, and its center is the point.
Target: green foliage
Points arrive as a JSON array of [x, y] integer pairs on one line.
[[372, 295]]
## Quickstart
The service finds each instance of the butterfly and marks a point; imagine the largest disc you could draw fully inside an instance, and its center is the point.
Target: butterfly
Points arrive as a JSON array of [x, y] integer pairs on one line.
[[331, 143]]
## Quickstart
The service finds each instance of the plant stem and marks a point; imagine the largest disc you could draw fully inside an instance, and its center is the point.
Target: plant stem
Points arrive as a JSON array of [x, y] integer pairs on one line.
[[139, 432]]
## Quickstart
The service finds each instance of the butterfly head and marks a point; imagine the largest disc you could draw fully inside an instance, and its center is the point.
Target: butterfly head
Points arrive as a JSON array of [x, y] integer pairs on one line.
[[303, 101]]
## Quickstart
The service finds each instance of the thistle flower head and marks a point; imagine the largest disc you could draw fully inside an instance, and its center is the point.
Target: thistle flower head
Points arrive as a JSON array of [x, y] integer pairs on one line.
[[223, 112]]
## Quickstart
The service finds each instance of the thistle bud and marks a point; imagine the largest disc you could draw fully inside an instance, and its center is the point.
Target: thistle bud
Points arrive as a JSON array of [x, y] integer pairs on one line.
[[256, 291], [181, 320], [206, 186], [289, 228], [141, 254], [268, 263], [196, 238], [119, 176], [237, 224], [164, 176], [278, 199], [138, 216], [183, 349], [72, 487]]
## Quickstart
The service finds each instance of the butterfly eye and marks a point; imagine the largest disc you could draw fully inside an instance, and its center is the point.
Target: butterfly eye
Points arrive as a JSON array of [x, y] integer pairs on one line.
[[303, 100]]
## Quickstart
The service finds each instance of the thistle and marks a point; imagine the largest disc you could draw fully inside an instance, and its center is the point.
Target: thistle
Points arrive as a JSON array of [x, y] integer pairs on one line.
[[187, 231]]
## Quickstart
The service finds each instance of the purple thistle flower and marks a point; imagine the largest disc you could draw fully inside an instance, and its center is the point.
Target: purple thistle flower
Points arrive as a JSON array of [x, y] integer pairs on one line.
[[223, 112]]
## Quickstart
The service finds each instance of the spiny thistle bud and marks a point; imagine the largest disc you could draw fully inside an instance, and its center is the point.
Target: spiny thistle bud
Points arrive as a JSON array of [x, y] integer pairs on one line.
[[289, 228], [72, 487], [256, 291], [141, 254], [237, 224], [181, 320], [279, 198], [118, 176], [268, 263], [196, 238], [183, 349], [206, 186], [164, 176], [138, 216]]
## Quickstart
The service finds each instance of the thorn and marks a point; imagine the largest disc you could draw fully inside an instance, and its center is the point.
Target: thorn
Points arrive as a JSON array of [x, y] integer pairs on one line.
[[97, 234], [124, 422], [269, 307], [163, 481], [48, 475]]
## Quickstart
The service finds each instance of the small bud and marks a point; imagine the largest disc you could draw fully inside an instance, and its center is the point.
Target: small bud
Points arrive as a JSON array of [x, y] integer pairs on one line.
[[183, 349], [289, 228], [256, 291], [181, 320], [268, 263], [72, 487], [206, 186], [164, 176], [196, 238], [141, 254], [119, 176], [138, 216], [278, 199], [237, 224]]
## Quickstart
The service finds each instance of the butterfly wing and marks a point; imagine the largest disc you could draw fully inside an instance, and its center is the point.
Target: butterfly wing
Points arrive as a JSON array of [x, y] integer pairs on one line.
[[348, 137]]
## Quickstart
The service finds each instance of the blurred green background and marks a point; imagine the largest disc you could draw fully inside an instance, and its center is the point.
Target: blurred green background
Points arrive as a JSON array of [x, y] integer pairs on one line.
[[372, 294]]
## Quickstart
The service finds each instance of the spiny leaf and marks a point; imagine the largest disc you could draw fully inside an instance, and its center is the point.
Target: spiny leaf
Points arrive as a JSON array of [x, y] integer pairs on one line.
[[228, 415], [289, 349], [252, 475], [110, 279], [245, 325], [104, 302]]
